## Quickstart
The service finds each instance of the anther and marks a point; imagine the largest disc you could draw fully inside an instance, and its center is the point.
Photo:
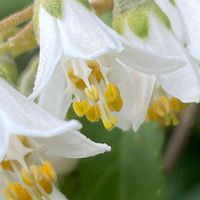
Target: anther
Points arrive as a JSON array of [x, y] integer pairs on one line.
[[93, 114], [15, 191], [78, 82], [48, 171], [166, 111], [95, 71], [6, 165], [113, 98], [81, 107], [92, 93], [110, 122]]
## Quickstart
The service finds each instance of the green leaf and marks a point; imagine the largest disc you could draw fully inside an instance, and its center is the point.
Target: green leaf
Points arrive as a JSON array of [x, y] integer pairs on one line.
[[132, 170], [53, 7]]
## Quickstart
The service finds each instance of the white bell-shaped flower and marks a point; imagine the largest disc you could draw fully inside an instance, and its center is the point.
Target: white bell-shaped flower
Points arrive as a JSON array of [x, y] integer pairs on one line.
[[78, 54]]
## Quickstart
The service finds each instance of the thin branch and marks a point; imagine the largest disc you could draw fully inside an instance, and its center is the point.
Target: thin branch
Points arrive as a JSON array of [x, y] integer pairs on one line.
[[16, 19], [23, 41], [21, 35], [180, 138]]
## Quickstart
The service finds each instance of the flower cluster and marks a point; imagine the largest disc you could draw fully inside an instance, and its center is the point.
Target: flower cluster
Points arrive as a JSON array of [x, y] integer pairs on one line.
[[143, 68]]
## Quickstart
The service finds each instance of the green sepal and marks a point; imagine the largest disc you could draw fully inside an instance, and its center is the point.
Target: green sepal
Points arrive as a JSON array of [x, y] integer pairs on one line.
[[137, 18], [53, 7], [139, 15], [172, 2]]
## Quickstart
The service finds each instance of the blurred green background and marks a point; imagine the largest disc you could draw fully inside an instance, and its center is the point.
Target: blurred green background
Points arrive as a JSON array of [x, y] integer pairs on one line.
[[133, 169]]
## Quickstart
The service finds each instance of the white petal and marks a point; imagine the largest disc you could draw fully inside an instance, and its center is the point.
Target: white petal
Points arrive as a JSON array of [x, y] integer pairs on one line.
[[175, 18], [190, 11], [83, 35], [4, 135], [54, 98], [57, 195], [183, 84], [73, 144], [62, 165], [147, 62], [162, 40], [142, 88], [50, 51], [119, 75], [152, 56], [17, 151], [27, 118]]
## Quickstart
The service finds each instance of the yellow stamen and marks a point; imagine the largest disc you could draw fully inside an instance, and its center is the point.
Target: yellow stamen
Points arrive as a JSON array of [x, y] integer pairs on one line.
[[101, 98], [93, 114], [92, 93], [175, 120], [165, 103], [110, 122], [178, 105], [48, 171], [14, 191], [78, 82], [115, 105], [81, 107], [28, 181], [166, 111], [27, 178], [113, 98], [111, 92], [95, 71], [44, 175], [6, 165], [158, 109], [46, 185], [24, 140], [151, 115]]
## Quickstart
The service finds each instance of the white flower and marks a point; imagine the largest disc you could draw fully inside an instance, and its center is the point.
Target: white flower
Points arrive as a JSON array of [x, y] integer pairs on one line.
[[25, 174], [78, 55], [165, 35], [189, 12], [28, 129], [19, 116], [183, 83]]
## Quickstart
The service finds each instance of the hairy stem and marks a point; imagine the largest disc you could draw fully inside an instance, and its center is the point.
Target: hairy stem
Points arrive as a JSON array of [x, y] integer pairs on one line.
[[23, 41], [16, 19]]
